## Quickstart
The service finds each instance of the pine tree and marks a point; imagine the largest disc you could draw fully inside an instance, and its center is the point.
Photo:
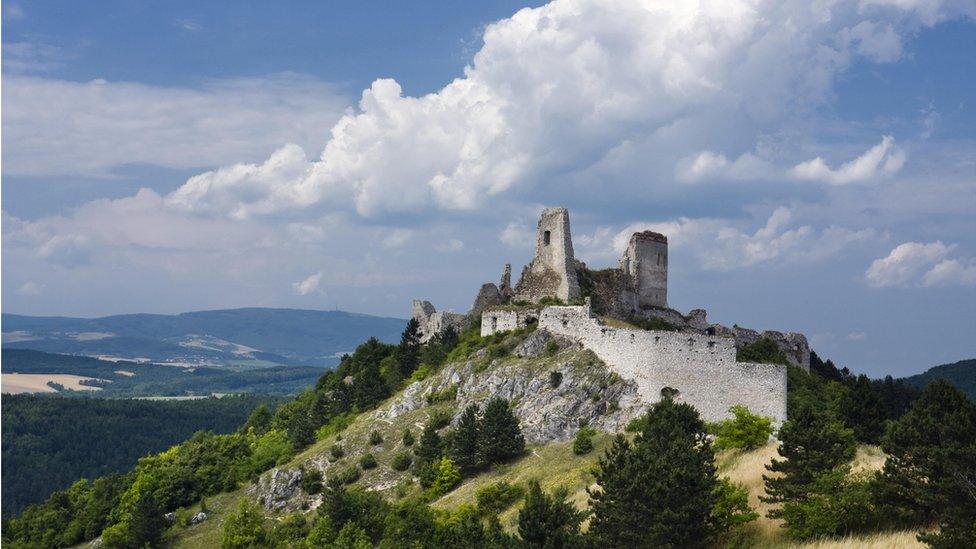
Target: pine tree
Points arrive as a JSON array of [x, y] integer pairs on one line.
[[146, 523], [428, 453], [408, 352], [548, 522], [863, 410], [466, 441], [813, 442], [501, 436], [930, 473], [659, 491]]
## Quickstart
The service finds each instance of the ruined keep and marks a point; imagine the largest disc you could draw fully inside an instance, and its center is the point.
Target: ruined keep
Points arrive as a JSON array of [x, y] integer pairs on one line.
[[552, 272], [687, 357], [645, 261]]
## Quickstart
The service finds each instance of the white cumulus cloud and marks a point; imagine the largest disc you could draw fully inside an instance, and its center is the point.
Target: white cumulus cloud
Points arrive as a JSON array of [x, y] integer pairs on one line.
[[884, 159], [308, 285], [926, 264]]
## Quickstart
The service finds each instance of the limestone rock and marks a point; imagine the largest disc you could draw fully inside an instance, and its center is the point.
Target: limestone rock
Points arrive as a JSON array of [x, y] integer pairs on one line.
[[198, 518], [534, 345], [278, 488]]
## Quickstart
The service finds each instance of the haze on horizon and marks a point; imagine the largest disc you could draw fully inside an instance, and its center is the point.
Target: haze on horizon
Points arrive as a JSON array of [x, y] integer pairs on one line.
[[813, 164]]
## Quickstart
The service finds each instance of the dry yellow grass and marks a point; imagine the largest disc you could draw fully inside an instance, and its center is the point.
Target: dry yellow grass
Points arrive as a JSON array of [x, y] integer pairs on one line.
[[888, 540], [38, 383]]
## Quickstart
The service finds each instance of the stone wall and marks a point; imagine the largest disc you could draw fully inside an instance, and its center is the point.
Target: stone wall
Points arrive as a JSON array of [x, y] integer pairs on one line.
[[503, 320], [552, 272], [701, 368], [433, 322]]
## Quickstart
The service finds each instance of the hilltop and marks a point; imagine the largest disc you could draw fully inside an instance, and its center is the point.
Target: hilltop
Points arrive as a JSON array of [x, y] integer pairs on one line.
[[961, 374], [249, 337]]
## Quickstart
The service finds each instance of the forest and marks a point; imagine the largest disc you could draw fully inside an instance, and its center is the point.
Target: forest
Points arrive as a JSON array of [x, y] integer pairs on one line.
[[51, 441]]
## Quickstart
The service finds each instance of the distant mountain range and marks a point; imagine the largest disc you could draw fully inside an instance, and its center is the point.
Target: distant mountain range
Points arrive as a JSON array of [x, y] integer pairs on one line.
[[240, 338], [962, 374]]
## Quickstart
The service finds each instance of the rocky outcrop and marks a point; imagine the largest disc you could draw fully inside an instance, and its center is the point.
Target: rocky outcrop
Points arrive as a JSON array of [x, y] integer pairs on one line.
[[276, 490]]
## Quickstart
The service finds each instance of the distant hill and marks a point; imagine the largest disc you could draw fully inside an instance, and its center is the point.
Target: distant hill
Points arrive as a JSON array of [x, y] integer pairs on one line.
[[962, 374], [231, 337], [131, 379]]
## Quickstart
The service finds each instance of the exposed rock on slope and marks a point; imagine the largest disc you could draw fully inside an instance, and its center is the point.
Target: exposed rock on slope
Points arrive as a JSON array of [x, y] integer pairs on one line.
[[553, 386]]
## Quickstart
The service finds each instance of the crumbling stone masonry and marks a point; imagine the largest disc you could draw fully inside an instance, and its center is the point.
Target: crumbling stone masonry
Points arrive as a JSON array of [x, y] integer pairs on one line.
[[645, 261], [433, 322], [552, 272], [695, 368]]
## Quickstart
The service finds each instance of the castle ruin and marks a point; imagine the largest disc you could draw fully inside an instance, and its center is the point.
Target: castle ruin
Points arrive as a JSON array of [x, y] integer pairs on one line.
[[602, 310]]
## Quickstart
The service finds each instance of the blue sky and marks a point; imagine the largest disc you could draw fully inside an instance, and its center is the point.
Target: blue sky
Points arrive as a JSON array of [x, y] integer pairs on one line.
[[815, 167]]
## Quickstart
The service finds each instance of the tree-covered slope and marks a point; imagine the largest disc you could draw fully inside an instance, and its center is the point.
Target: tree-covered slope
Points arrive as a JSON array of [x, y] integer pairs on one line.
[[50, 442], [961, 374]]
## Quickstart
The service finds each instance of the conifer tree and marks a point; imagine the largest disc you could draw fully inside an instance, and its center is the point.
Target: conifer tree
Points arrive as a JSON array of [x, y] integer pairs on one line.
[[930, 473], [428, 453], [659, 491], [501, 437], [466, 441], [408, 352], [548, 522], [813, 442]]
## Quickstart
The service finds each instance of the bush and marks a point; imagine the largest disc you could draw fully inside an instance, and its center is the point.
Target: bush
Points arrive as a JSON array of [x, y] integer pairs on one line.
[[401, 461], [439, 419], [368, 461], [746, 430], [583, 443], [447, 394], [836, 505], [336, 425], [375, 438], [552, 348], [652, 323], [349, 475], [311, 481], [244, 527], [549, 521], [555, 379], [763, 351], [497, 497], [336, 451], [731, 512], [408, 439], [447, 477], [289, 532]]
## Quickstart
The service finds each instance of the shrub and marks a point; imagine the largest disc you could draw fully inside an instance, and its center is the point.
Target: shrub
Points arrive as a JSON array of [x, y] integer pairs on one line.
[[408, 439], [448, 476], [652, 323], [555, 379], [375, 438], [497, 497], [731, 512], [336, 451], [583, 443], [336, 425], [349, 475], [636, 424], [746, 430], [763, 351], [368, 461], [439, 419], [447, 394], [401, 461], [311, 481], [552, 348], [289, 532], [837, 504], [549, 521], [244, 527]]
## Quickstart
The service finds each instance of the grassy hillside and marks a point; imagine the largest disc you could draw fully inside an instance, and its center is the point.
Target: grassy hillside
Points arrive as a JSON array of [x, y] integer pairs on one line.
[[279, 336], [961, 374], [129, 379]]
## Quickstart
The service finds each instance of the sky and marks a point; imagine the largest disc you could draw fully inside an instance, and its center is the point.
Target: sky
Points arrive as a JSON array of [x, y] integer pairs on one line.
[[813, 163]]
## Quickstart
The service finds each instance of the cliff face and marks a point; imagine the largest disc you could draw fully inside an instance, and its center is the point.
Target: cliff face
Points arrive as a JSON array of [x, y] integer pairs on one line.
[[552, 385]]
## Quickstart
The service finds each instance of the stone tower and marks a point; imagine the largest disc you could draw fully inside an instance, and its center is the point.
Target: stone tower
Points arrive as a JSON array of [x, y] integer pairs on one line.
[[646, 262], [552, 272]]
